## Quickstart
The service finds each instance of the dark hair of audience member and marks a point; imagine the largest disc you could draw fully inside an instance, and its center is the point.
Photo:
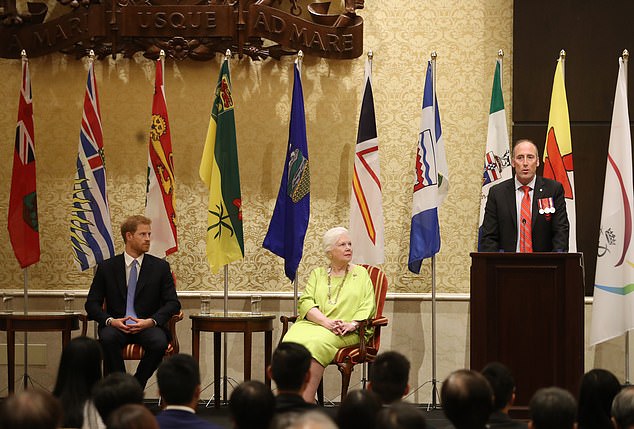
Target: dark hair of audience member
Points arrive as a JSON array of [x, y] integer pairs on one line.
[[289, 365], [79, 370], [400, 415], [502, 383], [467, 399], [252, 405], [132, 416], [115, 390], [389, 376], [597, 390], [178, 376], [32, 409], [358, 410], [623, 408], [552, 408]]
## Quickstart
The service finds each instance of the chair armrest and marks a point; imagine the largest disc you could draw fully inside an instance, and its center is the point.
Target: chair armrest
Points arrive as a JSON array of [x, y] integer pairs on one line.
[[286, 320], [171, 324], [83, 318], [379, 321]]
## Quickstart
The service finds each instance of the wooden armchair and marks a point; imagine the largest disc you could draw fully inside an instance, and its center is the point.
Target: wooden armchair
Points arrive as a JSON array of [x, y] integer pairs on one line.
[[364, 352]]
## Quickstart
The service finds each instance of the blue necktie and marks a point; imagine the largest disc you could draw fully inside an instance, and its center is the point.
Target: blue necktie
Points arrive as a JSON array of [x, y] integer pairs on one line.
[[129, 304]]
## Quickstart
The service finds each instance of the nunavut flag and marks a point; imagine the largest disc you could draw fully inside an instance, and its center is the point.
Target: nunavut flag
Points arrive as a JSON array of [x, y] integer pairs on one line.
[[23, 223], [219, 171], [558, 149], [160, 202]]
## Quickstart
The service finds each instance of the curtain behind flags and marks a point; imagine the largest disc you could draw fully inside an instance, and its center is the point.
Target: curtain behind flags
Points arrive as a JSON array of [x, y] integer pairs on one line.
[[160, 202], [497, 158], [558, 150], [366, 201], [219, 171], [431, 181], [287, 229], [23, 222], [90, 227], [613, 307]]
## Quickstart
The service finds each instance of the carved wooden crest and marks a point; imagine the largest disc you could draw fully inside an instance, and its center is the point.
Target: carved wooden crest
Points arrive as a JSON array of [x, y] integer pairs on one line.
[[195, 29]]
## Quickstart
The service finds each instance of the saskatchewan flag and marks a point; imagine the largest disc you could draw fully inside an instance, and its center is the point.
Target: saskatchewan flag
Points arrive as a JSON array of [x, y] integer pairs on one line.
[[219, 171]]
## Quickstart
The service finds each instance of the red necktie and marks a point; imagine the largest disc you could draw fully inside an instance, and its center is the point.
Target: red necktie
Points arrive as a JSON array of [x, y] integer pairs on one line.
[[526, 237]]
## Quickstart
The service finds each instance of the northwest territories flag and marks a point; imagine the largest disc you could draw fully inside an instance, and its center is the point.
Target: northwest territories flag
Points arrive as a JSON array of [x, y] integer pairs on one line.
[[90, 227], [366, 202], [431, 181], [497, 159], [287, 229], [613, 307]]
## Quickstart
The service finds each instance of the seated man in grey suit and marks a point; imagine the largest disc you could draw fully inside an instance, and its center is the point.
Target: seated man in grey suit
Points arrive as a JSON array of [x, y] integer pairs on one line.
[[132, 297], [544, 222]]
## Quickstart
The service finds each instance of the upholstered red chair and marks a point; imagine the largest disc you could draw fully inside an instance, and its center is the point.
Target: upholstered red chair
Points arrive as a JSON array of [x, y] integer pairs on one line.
[[364, 352]]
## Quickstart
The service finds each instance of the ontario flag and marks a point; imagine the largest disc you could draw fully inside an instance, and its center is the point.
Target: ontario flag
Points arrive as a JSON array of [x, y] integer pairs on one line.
[[160, 201], [613, 304], [23, 222], [366, 200], [558, 149], [219, 171], [90, 227]]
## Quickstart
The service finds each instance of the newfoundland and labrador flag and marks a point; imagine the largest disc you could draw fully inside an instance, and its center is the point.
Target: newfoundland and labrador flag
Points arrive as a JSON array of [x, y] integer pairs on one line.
[[287, 229], [23, 222], [431, 181], [90, 227], [160, 200], [613, 305], [366, 200], [219, 171]]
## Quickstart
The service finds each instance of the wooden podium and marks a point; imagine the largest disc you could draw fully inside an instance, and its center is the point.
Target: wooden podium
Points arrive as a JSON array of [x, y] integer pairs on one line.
[[527, 313]]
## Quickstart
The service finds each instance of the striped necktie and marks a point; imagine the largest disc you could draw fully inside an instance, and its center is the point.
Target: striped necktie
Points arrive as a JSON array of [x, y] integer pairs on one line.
[[526, 234]]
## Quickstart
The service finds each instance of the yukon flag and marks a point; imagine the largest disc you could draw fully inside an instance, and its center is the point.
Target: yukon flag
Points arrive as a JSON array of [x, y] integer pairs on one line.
[[497, 158], [160, 202], [90, 227], [431, 181], [558, 150], [219, 171], [23, 222], [366, 201], [613, 306]]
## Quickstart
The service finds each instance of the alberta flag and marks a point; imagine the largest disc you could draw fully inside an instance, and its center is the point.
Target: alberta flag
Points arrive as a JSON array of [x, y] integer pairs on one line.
[[431, 181], [613, 306], [497, 159], [90, 227], [287, 229]]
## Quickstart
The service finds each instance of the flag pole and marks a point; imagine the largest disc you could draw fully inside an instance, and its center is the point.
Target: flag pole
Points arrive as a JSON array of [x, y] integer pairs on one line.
[[501, 60], [626, 58], [226, 299], [434, 387], [562, 58], [298, 61]]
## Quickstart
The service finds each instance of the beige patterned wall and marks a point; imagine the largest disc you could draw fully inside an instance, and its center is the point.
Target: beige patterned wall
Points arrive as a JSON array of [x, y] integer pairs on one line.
[[402, 33]]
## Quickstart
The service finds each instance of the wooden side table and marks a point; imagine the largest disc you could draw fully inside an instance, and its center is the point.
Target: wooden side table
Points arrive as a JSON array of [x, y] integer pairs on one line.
[[34, 322], [244, 323]]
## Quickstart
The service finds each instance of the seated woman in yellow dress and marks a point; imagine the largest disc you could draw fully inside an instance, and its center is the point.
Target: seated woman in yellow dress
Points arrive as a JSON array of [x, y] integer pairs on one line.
[[335, 297]]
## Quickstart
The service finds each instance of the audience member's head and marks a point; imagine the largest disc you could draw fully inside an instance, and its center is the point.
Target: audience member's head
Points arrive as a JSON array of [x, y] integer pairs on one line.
[[596, 392], [252, 405], [467, 399], [32, 409], [179, 380], [290, 366], [389, 376], [552, 408], [623, 409], [503, 385], [132, 416], [358, 410], [401, 415], [313, 420], [115, 390], [79, 370]]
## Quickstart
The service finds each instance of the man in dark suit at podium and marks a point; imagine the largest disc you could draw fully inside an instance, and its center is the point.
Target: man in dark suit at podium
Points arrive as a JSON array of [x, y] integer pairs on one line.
[[532, 202], [132, 297]]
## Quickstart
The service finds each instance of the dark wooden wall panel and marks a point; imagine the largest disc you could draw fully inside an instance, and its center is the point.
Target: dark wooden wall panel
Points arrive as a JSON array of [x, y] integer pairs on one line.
[[594, 36]]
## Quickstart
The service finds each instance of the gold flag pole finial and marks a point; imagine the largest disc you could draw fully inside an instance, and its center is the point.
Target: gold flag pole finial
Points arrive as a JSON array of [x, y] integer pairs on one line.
[[91, 55], [300, 59], [625, 55], [434, 55], [227, 54], [23, 55], [370, 55], [500, 54], [162, 55], [562, 54]]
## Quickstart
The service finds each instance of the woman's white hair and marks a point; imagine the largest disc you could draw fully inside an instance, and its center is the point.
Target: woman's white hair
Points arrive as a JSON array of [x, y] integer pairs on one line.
[[331, 236]]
